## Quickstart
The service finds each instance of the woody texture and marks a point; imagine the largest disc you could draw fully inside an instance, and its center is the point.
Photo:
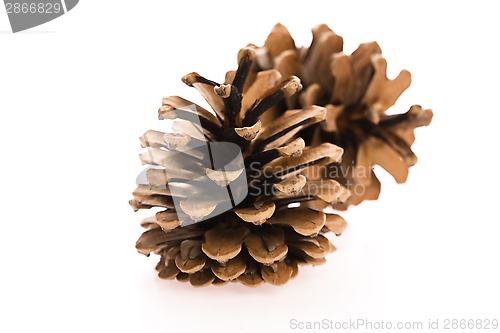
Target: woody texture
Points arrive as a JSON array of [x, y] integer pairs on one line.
[[357, 94], [261, 239], [294, 114]]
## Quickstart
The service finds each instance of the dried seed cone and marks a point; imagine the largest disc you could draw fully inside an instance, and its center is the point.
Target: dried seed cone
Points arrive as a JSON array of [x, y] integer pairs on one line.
[[356, 93], [261, 239]]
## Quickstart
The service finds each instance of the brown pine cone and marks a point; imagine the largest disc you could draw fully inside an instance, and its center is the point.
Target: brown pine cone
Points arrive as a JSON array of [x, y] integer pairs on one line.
[[260, 239], [356, 93]]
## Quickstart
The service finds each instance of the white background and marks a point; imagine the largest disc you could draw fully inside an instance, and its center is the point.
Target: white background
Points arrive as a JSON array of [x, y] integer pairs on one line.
[[77, 92]]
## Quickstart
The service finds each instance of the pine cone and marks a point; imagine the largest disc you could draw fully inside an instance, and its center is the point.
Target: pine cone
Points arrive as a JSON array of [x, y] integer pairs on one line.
[[261, 239], [356, 94]]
